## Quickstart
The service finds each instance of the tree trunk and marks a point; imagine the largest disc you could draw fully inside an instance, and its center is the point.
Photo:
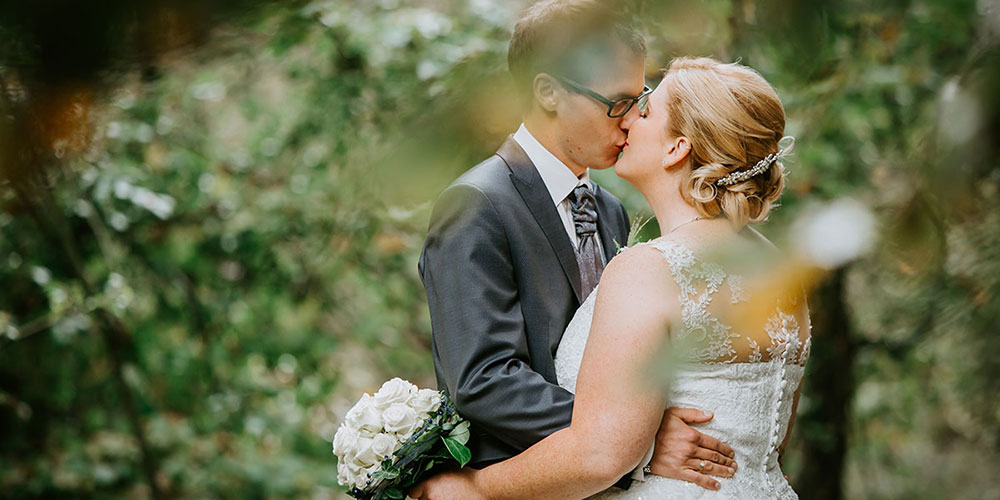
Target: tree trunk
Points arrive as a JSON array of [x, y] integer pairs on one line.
[[829, 389]]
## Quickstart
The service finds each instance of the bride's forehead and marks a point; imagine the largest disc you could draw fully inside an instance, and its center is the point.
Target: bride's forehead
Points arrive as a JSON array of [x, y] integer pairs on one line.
[[660, 91]]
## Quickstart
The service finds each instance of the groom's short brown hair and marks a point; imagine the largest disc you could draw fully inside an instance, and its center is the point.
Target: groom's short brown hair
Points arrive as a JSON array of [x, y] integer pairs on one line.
[[568, 38]]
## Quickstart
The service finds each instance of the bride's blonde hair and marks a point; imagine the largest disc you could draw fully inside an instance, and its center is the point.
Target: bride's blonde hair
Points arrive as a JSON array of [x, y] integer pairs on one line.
[[733, 119]]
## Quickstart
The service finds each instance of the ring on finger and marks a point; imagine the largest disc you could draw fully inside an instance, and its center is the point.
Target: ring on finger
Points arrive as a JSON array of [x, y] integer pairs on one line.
[[701, 466]]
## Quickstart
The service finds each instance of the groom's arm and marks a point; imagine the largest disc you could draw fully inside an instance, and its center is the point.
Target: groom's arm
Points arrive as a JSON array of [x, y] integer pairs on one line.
[[478, 327]]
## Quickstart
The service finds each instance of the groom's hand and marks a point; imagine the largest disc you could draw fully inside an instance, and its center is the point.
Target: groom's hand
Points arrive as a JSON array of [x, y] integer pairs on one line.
[[681, 452]]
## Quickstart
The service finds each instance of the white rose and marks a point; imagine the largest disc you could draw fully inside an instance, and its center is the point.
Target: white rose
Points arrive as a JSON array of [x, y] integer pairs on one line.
[[393, 391], [384, 445], [425, 402], [359, 474], [363, 454], [364, 416], [345, 440], [344, 476], [401, 419]]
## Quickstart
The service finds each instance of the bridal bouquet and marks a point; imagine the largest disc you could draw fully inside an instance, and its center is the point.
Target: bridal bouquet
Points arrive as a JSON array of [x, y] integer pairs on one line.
[[389, 441]]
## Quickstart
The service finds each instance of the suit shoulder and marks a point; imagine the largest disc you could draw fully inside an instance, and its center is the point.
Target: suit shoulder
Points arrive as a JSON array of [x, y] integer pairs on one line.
[[489, 177], [480, 190], [611, 198]]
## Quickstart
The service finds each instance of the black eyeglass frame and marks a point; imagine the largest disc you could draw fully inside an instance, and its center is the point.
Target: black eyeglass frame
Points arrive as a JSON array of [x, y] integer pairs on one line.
[[580, 89]]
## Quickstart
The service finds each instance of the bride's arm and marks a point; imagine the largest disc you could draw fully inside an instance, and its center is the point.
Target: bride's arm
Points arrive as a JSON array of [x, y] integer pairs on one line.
[[617, 409]]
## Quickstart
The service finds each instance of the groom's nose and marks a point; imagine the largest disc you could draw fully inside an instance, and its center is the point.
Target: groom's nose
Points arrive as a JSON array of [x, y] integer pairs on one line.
[[629, 118]]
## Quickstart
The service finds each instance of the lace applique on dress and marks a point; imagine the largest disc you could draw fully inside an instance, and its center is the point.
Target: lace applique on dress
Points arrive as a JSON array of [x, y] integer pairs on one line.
[[755, 355], [700, 328], [807, 345], [783, 329], [699, 281], [737, 290]]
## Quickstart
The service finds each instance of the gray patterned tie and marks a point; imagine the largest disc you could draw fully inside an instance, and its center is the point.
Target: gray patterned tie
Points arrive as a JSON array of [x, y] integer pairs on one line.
[[588, 254]]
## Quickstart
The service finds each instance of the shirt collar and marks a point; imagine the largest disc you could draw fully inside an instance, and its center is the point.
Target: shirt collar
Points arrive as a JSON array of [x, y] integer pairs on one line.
[[558, 178]]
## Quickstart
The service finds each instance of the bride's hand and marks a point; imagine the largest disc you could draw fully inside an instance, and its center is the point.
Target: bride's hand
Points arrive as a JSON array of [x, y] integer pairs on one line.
[[681, 451], [448, 486]]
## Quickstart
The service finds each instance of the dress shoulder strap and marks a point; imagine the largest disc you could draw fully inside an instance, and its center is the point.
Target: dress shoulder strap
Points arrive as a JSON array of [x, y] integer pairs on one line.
[[698, 281], [678, 256], [688, 270]]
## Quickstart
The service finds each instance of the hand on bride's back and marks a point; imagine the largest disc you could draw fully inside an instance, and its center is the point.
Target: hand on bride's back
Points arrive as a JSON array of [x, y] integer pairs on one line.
[[681, 450]]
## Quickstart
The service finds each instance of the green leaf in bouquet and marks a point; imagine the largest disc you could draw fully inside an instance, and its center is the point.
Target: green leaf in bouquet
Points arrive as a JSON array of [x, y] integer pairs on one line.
[[461, 432], [394, 494], [386, 473], [458, 451]]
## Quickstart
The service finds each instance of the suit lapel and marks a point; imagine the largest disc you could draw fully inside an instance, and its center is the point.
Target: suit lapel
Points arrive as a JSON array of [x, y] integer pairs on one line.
[[536, 196], [608, 225]]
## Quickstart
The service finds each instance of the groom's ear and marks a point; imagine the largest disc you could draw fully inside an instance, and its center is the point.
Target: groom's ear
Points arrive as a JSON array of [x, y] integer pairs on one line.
[[546, 92]]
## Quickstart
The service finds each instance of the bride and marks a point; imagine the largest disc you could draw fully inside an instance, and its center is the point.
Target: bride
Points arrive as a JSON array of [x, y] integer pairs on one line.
[[705, 154]]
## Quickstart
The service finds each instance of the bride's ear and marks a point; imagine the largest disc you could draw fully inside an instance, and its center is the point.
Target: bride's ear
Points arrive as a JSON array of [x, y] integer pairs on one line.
[[678, 150]]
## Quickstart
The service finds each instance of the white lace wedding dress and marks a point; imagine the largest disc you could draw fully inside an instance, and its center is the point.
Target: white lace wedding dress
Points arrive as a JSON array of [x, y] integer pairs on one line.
[[747, 379]]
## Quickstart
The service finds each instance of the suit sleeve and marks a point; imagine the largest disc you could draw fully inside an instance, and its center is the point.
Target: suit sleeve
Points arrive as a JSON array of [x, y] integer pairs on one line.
[[478, 327]]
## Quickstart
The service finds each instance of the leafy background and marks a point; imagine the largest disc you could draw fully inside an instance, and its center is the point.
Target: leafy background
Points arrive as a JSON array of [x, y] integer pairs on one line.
[[211, 216]]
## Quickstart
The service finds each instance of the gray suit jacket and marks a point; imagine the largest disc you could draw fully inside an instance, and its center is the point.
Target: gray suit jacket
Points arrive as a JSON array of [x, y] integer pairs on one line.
[[502, 284]]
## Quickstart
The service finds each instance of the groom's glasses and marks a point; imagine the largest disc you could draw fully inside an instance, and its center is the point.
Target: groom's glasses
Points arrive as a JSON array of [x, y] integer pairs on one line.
[[617, 107]]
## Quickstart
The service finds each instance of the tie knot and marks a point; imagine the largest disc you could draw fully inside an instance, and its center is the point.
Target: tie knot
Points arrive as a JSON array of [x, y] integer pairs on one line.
[[583, 196], [584, 209]]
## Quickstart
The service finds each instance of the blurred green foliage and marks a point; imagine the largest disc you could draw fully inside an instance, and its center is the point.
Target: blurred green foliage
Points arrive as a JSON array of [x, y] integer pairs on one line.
[[197, 290]]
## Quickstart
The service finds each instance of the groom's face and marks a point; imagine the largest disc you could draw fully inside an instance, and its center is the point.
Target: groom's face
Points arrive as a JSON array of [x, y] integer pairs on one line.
[[590, 138]]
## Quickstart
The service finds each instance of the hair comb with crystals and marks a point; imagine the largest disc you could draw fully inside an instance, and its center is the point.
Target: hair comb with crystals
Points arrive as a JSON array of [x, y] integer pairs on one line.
[[760, 167]]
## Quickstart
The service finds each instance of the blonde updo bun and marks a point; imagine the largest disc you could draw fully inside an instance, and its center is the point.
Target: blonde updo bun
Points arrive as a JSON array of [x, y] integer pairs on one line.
[[733, 119]]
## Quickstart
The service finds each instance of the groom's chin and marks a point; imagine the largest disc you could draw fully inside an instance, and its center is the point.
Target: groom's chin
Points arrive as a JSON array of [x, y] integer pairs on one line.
[[608, 162]]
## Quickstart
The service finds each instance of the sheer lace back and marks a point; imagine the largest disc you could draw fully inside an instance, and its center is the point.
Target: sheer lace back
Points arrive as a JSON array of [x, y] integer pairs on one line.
[[720, 321], [746, 372]]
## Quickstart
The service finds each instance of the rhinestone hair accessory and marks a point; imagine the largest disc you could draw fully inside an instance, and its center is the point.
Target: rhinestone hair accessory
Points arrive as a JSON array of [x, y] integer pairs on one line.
[[760, 167]]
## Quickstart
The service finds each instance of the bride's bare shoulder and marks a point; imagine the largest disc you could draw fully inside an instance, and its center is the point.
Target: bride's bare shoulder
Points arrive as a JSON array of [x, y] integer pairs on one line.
[[639, 259], [638, 277]]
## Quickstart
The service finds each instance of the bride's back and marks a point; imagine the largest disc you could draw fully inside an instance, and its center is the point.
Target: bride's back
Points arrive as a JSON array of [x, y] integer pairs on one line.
[[734, 306], [737, 349], [743, 341]]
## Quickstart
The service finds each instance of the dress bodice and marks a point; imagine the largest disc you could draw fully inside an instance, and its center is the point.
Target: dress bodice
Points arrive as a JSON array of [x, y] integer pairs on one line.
[[746, 378]]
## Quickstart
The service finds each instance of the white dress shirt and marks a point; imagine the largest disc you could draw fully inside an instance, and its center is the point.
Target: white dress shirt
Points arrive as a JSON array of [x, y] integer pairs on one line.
[[558, 179]]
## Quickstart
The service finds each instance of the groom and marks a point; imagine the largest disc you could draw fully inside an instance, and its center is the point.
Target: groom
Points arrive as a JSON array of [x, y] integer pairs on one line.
[[518, 242]]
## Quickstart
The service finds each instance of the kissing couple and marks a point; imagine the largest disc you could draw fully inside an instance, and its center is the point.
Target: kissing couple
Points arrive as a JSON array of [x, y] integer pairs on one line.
[[544, 333]]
